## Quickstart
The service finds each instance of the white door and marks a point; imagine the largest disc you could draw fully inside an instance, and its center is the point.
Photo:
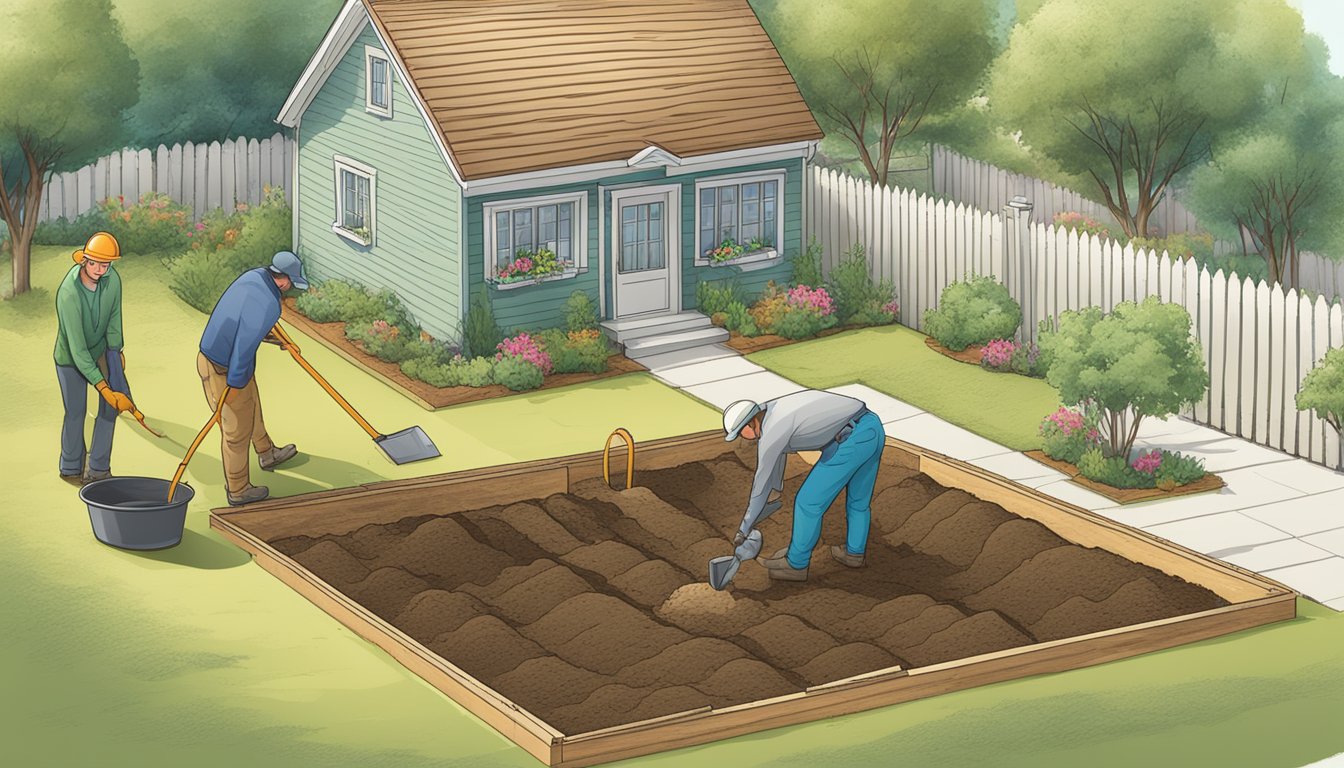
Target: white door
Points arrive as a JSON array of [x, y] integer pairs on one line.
[[645, 252]]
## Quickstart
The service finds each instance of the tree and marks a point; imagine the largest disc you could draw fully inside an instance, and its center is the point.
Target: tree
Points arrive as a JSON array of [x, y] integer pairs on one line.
[[67, 77], [1131, 94], [1136, 362], [1323, 392], [1281, 182], [872, 70], [217, 69]]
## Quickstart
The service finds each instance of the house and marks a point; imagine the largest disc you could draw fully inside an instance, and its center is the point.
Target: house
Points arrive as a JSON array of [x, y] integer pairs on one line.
[[527, 149]]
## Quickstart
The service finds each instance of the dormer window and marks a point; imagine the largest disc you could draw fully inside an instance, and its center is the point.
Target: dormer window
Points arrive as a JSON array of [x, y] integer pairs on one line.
[[377, 82]]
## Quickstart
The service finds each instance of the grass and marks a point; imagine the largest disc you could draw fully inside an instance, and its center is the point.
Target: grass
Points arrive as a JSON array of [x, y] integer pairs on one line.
[[194, 656], [1005, 408]]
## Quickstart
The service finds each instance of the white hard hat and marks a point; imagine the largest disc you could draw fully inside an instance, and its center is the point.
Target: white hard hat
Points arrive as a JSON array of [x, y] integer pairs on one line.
[[736, 416]]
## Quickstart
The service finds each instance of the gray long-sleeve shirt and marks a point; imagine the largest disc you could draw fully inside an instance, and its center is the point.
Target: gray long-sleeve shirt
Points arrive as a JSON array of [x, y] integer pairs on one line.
[[802, 421]]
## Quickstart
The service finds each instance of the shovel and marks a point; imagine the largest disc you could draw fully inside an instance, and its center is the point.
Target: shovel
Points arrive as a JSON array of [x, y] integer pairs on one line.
[[723, 569], [410, 444]]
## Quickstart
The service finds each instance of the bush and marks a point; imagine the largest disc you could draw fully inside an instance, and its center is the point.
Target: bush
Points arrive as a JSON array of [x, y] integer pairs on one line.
[[806, 311], [998, 355], [153, 225], [476, 372], [1181, 246], [1322, 392], [390, 342], [433, 373], [480, 333], [872, 314], [1027, 360], [714, 297], [973, 312], [1149, 469], [1067, 433], [1178, 469], [580, 312], [1077, 222], [250, 239], [1138, 361], [63, 231], [580, 352], [853, 290], [738, 318], [526, 348], [338, 301], [807, 265], [1111, 470], [517, 373]]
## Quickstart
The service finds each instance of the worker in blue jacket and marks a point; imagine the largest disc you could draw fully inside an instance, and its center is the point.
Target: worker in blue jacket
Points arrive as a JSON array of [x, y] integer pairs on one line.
[[240, 322]]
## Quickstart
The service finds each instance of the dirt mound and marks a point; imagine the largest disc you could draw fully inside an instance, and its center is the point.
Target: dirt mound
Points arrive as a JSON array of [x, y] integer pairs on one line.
[[651, 582], [743, 680], [893, 506], [526, 602], [684, 663], [666, 701], [958, 539], [293, 545], [601, 633], [846, 661], [612, 704], [1010, 545], [444, 552], [508, 579], [546, 682], [486, 647], [576, 515], [530, 520], [921, 523], [876, 621], [335, 565], [787, 642], [981, 633], [607, 559], [1138, 601], [386, 591], [434, 612], [823, 607], [1052, 577], [700, 609], [915, 631]]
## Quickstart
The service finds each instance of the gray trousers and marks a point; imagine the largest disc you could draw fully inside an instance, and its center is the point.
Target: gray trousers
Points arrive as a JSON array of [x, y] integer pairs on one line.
[[75, 396]]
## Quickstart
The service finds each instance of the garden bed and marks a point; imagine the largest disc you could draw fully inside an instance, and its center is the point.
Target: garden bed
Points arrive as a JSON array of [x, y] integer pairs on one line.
[[332, 335], [971, 354], [746, 345], [574, 618], [1209, 482]]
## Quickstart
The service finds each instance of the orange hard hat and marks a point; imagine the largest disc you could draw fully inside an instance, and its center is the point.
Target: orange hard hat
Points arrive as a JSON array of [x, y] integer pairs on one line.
[[101, 247]]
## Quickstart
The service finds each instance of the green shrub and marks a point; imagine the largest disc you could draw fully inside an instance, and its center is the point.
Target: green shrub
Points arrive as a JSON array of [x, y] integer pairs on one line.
[[1322, 391], [154, 224], [339, 301], [1139, 361], [801, 322], [738, 318], [1178, 469], [1111, 470], [517, 374], [251, 238], [973, 312], [580, 312], [576, 351], [200, 280], [480, 333], [1067, 433], [64, 231], [434, 373], [1027, 360], [477, 372], [390, 342], [853, 290], [714, 297], [807, 265]]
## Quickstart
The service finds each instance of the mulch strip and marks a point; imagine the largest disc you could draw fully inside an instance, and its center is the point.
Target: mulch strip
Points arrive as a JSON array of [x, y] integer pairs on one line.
[[332, 336], [747, 345], [1209, 482], [969, 355]]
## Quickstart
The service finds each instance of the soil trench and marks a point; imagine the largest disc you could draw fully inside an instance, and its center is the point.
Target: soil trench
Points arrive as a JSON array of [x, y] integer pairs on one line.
[[590, 609]]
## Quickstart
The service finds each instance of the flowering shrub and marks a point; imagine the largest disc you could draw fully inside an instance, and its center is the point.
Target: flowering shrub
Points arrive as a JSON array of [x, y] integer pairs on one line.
[[525, 348], [1077, 222], [738, 318], [972, 312], [1067, 433], [154, 224], [225, 244], [1028, 361], [1151, 469], [770, 308], [998, 354], [814, 299], [1147, 463], [517, 374], [386, 341]]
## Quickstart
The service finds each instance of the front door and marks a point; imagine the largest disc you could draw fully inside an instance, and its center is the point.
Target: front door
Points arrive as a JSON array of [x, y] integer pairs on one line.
[[645, 245]]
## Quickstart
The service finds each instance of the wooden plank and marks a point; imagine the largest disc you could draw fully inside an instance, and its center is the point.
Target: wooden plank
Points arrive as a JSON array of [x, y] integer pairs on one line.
[[1214, 352], [107, 177], [1230, 325], [214, 177], [1249, 356], [228, 180], [1274, 370], [130, 175], [144, 168], [1288, 373], [1320, 334], [1333, 457], [253, 172], [1305, 357], [187, 190]]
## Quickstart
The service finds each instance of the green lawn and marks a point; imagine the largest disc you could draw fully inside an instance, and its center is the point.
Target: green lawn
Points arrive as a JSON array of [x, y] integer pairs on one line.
[[1005, 408], [194, 656]]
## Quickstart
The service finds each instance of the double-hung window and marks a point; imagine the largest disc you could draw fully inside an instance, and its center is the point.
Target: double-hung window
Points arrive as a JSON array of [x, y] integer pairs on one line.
[[377, 82], [355, 191], [739, 210], [516, 228]]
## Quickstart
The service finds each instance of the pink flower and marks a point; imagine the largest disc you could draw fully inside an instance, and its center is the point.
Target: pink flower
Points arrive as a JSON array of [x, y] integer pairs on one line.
[[525, 348], [1147, 463], [816, 299], [999, 353]]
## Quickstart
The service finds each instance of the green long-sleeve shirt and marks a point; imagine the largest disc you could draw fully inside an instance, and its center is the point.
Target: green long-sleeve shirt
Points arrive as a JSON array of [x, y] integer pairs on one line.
[[87, 322]]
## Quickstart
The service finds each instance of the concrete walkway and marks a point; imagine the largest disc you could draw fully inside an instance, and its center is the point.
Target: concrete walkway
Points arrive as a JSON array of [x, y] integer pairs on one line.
[[1278, 515]]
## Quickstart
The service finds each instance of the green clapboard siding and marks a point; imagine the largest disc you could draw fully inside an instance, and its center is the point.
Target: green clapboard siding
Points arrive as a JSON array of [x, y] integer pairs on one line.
[[417, 213], [542, 306]]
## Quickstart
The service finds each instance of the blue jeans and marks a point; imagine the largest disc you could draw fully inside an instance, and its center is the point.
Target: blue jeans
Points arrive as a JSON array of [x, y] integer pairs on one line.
[[851, 467], [75, 396]]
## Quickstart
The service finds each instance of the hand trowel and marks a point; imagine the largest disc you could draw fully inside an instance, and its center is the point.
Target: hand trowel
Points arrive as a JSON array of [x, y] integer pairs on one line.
[[723, 569]]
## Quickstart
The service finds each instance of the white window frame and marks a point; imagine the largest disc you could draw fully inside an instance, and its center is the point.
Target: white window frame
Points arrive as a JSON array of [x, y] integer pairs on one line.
[[739, 179], [579, 225], [359, 169], [370, 54]]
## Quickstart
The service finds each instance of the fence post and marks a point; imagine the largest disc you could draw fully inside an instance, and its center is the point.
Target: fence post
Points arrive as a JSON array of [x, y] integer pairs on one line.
[[1018, 265]]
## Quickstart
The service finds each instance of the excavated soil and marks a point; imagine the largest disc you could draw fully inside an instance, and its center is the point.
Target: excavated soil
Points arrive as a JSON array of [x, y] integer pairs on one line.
[[590, 609]]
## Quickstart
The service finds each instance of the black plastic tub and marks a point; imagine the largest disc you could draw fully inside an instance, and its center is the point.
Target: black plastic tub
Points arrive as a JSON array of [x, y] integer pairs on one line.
[[133, 512]]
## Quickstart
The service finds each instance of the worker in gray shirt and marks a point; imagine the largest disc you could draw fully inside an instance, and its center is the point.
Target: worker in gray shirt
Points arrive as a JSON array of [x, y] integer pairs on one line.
[[850, 438]]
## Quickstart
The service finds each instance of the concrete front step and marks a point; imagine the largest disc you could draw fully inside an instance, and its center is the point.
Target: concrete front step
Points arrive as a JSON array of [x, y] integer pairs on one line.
[[646, 346], [623, 331]]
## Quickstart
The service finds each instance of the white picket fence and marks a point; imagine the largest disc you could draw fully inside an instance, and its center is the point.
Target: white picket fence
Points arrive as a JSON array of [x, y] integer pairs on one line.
[[988, 187], [200, 176], [1258, 342]]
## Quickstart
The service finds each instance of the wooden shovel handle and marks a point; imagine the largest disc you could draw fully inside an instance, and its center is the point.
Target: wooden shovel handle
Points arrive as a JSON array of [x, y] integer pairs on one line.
[[341, 401], [214, 419]]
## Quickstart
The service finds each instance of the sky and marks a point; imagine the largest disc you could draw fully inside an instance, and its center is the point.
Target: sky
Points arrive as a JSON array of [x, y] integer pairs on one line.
[[1326, 18]]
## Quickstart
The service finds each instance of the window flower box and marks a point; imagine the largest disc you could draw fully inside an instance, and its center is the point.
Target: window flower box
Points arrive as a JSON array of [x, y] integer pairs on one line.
[[532, 267], [358, 235], [746, 256], [508, 284]]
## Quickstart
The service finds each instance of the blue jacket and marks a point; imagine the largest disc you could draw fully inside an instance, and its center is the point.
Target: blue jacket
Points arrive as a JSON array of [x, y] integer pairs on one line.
[[241, 318]]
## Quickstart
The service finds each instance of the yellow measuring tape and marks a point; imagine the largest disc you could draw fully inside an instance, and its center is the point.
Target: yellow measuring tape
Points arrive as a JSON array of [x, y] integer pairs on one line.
[[629, 457]]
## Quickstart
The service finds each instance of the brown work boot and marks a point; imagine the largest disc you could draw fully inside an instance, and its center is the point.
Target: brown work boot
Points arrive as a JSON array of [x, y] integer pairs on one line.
[[253, 493], [75, 480], [842, 556], [777, 565], [276, 456], [93, 476]]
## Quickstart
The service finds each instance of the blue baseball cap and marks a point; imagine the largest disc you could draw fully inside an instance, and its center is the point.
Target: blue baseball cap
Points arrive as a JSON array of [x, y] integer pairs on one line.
[[287, 263]]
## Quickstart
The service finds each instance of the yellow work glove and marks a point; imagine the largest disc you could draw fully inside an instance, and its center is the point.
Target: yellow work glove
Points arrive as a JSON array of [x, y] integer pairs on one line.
[[116, 399]]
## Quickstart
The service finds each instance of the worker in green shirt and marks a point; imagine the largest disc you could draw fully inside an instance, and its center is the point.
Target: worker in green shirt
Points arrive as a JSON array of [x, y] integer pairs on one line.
[[88, 315]]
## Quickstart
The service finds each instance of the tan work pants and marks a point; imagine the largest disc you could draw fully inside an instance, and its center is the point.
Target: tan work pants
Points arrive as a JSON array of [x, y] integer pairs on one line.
[[240, 422]]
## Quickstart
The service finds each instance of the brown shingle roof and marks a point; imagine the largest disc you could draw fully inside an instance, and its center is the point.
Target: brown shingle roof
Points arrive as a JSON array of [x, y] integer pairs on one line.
[[524, 85]]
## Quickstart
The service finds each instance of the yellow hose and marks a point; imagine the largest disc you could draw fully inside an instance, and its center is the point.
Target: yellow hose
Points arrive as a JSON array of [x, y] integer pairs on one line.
[[629, 457], [214, 418]]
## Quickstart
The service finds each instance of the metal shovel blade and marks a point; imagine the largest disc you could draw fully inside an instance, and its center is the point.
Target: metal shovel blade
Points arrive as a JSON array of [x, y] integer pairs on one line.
[[411, 444], [722, 570]]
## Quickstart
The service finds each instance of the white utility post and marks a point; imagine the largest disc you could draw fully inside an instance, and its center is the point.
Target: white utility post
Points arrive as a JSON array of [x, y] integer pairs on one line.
[[1020, 278]]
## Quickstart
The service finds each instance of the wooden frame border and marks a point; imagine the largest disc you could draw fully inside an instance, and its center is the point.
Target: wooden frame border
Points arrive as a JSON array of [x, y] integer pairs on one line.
[[1254, 600]]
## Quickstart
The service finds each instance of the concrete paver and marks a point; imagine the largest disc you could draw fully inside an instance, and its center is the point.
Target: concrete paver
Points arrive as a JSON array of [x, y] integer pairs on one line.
[[1223, 531], [1302, 475], [1019, 468], [707, 371], [1222, 455], [1330, 540], [665, 360], [1322, 580], [1276, 554], [948, 439], [887, 408], [1304, 515], [760, 386], [1244, 490]]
